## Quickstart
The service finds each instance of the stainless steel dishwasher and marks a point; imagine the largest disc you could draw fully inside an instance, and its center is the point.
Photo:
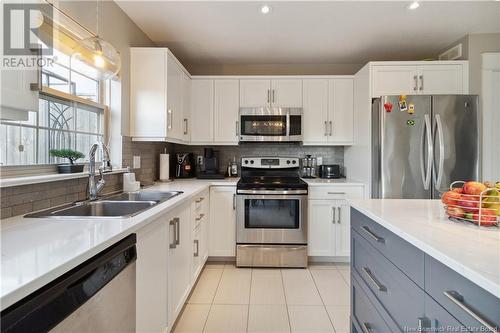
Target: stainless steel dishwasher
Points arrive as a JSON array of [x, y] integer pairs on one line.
[[96, 296]]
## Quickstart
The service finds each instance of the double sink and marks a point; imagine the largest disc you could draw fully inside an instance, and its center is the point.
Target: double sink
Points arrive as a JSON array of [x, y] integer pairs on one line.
[[121, 205]]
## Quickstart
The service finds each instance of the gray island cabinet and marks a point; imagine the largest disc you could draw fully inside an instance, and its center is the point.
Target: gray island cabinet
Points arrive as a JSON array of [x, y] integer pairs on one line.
[[397, 287]]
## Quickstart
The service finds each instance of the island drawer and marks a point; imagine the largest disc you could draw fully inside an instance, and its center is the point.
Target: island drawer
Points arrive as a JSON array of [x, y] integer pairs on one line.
[[391, 287], [402, 254], [466, 301], [365, 316], [437, 319]]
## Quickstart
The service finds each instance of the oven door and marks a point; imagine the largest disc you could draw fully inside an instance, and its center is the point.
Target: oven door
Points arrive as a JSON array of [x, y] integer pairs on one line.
[[271, 219]]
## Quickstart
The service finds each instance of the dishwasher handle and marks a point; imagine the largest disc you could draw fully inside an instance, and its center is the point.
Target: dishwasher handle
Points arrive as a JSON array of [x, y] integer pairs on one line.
[[48, 306]]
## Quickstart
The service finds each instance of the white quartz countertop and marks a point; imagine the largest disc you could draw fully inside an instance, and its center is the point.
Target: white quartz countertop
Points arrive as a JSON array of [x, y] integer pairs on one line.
[[331, 182], [468, 250], [36, 251]]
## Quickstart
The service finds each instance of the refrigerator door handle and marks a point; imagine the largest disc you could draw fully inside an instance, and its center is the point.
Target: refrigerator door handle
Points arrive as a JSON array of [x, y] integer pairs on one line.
[[439, 132], [426, 170]]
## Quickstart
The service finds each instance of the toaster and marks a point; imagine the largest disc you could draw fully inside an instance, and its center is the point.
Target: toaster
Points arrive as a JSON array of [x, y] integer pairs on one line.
[[329, 171]]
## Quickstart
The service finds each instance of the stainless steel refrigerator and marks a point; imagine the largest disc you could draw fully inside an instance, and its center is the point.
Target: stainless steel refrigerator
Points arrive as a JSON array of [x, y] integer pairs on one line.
[[422, 143]]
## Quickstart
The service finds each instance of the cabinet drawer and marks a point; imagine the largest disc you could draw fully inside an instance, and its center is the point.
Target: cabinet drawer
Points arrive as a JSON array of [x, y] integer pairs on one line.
[[469, 303], [389, 285], [364, 315], [437, 319], [335, 192], [402, 254]]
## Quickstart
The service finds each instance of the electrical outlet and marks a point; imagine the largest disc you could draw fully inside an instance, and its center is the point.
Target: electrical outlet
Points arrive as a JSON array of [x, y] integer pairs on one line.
[[319, 160], [136, 164], [199, 160]]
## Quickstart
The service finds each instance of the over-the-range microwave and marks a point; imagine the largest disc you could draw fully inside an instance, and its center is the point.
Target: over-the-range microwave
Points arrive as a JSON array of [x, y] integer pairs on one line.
[[272, 124]]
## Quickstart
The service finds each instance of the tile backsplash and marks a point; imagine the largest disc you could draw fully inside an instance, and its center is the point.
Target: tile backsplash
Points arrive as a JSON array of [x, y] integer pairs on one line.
[[18, 200], [330, 155]]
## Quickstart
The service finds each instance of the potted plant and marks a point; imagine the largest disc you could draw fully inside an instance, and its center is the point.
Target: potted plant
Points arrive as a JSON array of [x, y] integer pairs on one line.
[[72, 156]]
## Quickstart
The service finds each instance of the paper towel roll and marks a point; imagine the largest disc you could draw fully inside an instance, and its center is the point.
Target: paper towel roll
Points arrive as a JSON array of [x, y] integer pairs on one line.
[[164, 167]]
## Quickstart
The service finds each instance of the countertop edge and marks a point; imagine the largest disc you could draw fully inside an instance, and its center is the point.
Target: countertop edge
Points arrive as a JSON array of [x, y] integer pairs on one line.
[[456, 266]]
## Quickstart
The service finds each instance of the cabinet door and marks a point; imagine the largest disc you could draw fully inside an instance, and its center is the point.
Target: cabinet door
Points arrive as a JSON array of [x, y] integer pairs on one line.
[[179, 262], [186, 107], [341, 111], [321, 229], [227, 103], [255, 93], [343, 230], [286, 93], [174, 100], [222, 233], [17, 99], [315, 92], [394, 80], [196, 259], [151, 277], [440, 79], [202, 111], [148, 108], [204, 239]]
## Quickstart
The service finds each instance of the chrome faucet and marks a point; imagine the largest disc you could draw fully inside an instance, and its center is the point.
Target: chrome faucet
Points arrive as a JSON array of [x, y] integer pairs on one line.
[[96, 187]]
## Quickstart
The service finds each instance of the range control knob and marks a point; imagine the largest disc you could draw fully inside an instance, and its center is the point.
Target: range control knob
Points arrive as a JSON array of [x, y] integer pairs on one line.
[[246, 161], [251, 161], [294, 162], [288, 162]]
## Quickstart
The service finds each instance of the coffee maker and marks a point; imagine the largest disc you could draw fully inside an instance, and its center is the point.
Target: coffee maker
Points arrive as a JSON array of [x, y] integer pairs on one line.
[[184, 165], [210, 167]]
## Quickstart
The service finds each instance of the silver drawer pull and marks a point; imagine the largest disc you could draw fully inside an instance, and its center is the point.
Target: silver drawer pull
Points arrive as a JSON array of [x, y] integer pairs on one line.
[[336, 192], [367, 328], [459, 301], [200, 200], [173, 244], [373, 280], [200, 217], [372, 235]]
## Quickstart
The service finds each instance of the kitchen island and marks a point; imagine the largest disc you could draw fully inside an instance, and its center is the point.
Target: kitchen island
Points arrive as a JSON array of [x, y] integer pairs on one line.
[[412, 269]]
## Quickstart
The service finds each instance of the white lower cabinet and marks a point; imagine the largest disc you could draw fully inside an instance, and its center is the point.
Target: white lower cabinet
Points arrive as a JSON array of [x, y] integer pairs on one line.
[[329, 220], [199, 223], [222, 233], [151, 277], [179, 261]]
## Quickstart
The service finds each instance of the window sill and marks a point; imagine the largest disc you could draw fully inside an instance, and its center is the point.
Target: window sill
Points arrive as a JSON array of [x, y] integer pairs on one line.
[[18, 181]]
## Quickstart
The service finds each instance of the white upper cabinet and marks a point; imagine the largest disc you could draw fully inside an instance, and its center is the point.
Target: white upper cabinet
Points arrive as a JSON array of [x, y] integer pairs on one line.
[[255, 93], [441, 79], [278, 92], [410, 78], [340, 111], [17, 99], [328, 111], [158, 99], [227, 96], [286, 93], [202, 111], [315, 120]]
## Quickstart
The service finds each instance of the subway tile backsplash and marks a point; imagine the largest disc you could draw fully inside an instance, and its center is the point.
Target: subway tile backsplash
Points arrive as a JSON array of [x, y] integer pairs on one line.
[[330, 155]]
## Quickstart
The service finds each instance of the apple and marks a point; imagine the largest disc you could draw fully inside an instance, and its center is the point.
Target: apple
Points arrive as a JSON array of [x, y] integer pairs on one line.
[[455, 211], [450, 198], [488, 217], [474, 188], [458, 190], [469, 202]]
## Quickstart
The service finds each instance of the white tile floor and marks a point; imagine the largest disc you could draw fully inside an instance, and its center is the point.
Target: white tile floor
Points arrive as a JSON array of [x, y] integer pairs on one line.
[[230, 299]]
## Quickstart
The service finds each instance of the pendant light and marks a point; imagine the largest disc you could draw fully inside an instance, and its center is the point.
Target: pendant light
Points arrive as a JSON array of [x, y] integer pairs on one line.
[[99, 54]]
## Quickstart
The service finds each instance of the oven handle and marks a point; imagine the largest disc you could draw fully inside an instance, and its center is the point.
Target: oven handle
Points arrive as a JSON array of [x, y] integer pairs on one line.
[[277, 192]]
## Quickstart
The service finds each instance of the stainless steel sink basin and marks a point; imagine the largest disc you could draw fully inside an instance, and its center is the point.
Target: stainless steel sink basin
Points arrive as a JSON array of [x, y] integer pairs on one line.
[[157, 196], [114, 206]]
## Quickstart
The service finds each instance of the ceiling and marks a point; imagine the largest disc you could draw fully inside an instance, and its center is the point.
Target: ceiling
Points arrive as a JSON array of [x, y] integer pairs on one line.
[[308, 32]]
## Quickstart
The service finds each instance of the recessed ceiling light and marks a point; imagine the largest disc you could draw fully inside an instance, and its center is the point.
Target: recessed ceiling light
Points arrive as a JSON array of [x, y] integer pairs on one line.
[[265, 9], [414, 5]]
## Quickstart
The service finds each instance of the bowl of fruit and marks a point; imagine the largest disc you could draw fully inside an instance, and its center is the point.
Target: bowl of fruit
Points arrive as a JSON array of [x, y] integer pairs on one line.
[[473, 202]]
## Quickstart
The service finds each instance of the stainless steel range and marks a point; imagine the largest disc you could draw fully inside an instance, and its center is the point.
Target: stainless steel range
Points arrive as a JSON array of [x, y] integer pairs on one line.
[[271, 213]]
